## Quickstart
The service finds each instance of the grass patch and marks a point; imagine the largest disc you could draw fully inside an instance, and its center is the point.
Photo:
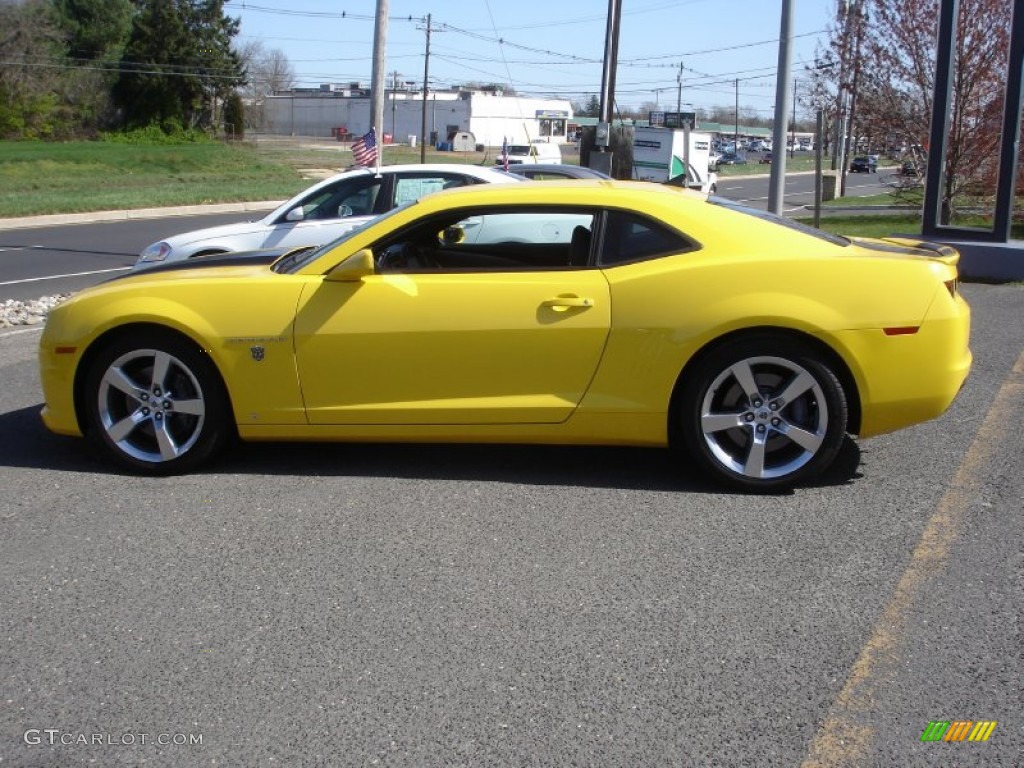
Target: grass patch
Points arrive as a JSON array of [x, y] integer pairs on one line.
[[868, 226], [39, 178], [82, 176], [887, 225]]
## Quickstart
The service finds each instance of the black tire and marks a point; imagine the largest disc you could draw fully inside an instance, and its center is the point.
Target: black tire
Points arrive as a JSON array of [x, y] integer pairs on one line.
[[761, 412], [155, 404]]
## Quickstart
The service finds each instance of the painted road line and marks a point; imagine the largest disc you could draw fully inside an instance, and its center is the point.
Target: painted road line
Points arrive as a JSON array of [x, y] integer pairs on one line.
[[842, 740], [59, 277]]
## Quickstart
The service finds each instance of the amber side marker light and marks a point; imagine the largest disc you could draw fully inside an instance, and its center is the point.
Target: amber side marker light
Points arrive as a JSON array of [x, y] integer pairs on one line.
[[901, 331], [65, 350]]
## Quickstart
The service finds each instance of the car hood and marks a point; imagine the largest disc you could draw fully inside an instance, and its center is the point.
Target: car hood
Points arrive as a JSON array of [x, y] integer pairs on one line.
[[219, 232], [201, 267]]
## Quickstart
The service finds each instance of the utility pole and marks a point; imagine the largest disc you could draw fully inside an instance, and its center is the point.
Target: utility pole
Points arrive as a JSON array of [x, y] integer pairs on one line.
[[679, 91], [736, 119], [380, 34], [777, 176], [426, 78], [601, 160]]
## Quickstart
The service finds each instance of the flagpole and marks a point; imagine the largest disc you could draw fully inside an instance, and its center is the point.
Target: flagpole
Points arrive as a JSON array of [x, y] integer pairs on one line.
[[380, 151]]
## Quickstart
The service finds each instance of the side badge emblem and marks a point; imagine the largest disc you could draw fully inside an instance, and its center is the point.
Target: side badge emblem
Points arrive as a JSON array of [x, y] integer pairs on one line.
[[257, 353]]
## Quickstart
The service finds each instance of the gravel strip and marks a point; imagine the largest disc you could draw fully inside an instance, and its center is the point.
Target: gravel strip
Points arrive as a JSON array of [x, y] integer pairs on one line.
[[14, 313]]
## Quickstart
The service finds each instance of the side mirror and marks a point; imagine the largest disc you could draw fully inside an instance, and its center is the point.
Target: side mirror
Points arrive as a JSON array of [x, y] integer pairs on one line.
[[452, 235], [295, 214], [344, 210], [354, 268]]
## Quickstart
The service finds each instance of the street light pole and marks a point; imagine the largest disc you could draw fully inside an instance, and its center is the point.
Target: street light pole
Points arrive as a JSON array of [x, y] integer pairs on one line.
[[777, 177]]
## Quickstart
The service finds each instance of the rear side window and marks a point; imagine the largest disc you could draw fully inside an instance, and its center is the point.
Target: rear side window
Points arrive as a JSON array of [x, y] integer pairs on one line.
[[629, 237]]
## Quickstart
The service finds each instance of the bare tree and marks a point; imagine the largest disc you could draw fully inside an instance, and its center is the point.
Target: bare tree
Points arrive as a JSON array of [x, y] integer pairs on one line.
[[896, 83], [269, 72]]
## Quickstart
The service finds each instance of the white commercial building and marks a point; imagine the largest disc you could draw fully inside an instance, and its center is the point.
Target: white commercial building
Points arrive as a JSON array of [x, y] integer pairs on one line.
[[489, 115]]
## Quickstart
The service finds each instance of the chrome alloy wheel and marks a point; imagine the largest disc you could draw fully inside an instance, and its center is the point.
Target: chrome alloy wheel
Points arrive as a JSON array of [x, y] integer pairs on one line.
[[150, 405], [764, 417]]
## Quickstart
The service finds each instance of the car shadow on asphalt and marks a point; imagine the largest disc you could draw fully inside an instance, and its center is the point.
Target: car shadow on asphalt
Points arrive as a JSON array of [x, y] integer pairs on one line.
[[584, 466]]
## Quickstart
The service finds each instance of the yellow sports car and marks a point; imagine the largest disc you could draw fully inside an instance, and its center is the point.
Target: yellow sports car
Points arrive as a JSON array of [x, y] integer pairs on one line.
[[590, 312]]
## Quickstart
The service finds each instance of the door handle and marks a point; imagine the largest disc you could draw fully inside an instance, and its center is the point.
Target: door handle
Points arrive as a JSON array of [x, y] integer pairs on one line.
[[562, 303]]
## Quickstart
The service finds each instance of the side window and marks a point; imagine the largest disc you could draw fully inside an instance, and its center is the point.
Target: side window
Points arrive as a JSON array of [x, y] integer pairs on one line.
[[629, 237], [349, 197], [492, 240], [414, 186]]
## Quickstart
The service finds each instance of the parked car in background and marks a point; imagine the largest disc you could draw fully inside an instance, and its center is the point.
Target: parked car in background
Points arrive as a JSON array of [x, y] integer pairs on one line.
[[537, 151], [623, 314], [912, 168], [864, 164], [732, 159], [545, 172], [323, 212], [766, 158]]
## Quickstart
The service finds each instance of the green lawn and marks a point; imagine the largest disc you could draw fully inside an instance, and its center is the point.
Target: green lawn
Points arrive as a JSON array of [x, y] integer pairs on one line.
[[868, 226], [37, 177], [74, 177], [884, 225]]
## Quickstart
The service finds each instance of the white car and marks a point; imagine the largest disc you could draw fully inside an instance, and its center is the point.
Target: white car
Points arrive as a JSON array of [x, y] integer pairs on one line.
[[325, 211]]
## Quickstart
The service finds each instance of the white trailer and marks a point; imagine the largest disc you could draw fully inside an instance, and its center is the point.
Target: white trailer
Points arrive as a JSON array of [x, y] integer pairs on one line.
[[669, 155]]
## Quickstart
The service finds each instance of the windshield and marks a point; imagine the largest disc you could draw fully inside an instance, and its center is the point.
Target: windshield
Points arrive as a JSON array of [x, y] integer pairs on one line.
[[781, 220], [297, 260]]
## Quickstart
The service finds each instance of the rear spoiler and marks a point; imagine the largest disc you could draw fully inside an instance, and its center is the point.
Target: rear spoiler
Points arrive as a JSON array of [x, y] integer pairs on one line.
[[947, 254]]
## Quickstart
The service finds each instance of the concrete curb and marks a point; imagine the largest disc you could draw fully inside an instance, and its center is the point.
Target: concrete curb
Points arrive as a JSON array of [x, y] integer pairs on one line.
[[94, 217]]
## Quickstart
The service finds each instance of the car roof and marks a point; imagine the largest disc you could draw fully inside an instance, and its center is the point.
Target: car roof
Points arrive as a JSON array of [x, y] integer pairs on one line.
[[484, 172], [584, 192], [575, 171]]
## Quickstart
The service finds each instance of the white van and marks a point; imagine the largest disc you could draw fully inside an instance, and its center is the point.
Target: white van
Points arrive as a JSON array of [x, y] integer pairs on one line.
[[537, 151]]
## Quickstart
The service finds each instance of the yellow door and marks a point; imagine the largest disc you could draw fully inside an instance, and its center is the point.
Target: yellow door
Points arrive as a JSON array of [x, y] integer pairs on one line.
[[435, 348]]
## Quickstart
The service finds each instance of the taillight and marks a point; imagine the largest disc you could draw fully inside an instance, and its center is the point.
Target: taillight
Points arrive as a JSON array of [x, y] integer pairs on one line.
[[953, 286]]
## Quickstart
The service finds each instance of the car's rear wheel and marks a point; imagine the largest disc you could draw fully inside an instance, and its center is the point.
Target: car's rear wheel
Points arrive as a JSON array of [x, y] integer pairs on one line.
[[155, 403], [762, 412]]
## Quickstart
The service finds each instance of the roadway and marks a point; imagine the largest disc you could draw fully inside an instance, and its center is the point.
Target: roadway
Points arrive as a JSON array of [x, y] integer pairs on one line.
[[43, 261]]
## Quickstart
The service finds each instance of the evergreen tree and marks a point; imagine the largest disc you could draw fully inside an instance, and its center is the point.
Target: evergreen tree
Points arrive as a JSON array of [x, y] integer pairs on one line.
[[96, 29], [177, 64]]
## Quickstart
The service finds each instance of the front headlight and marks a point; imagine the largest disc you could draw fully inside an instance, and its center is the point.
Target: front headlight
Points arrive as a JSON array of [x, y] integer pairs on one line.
[[155, 252]]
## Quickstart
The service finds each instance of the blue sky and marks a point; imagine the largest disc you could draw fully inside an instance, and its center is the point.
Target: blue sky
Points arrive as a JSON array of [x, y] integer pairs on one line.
[[549, 48]]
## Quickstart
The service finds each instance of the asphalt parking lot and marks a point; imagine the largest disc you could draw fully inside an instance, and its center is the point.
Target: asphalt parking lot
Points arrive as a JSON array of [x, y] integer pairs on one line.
[[500, 606]]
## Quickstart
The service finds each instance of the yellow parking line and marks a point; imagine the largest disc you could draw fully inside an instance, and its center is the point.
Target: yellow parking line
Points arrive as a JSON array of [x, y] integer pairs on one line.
[[842, 740]]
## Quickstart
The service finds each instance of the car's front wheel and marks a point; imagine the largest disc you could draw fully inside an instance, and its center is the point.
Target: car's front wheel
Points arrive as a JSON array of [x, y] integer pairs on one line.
[[155, 403], [762, 412]]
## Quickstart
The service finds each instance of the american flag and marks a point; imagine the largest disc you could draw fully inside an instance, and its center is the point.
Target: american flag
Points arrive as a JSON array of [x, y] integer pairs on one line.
[[504, 152], [364, 149]]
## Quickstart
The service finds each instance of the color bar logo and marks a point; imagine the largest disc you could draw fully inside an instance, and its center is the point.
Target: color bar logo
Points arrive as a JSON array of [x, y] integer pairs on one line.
[[958, 730]]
